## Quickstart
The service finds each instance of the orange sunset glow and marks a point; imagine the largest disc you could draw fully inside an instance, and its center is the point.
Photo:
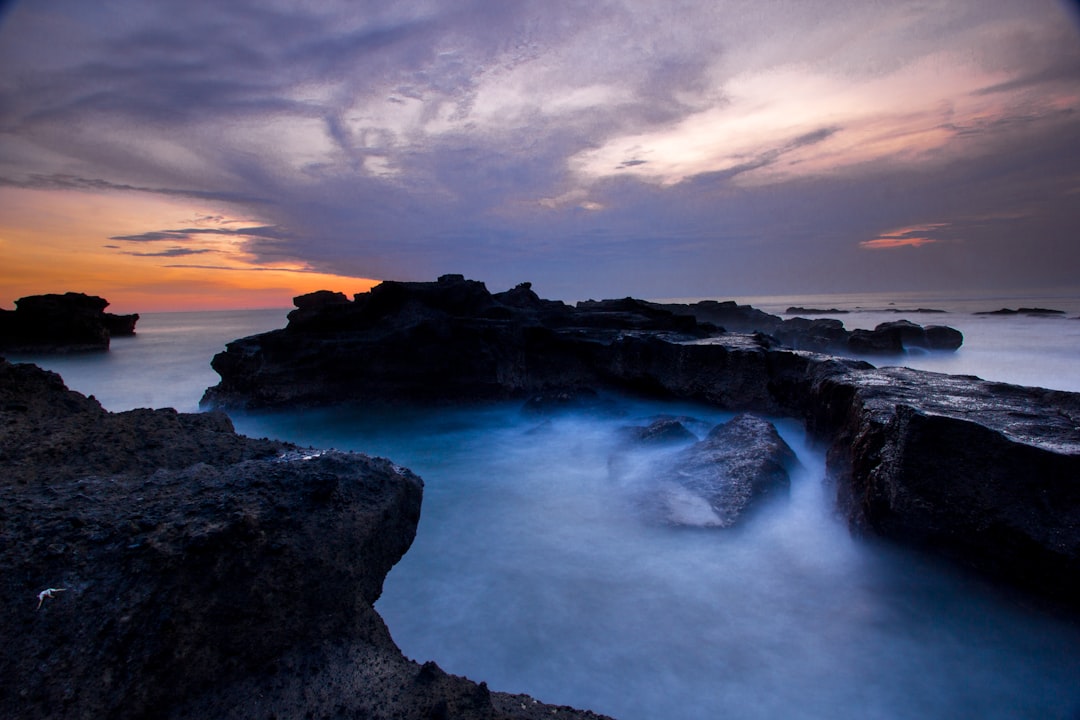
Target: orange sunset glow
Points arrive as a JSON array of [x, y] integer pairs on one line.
[[54, 242]]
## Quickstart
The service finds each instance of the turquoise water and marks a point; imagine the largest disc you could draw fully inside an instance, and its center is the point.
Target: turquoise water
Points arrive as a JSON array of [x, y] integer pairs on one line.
[[536, 569]]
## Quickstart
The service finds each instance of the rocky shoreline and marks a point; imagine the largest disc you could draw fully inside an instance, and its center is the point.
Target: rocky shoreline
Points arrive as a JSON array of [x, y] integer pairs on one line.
[[158, 565], [985, 473]]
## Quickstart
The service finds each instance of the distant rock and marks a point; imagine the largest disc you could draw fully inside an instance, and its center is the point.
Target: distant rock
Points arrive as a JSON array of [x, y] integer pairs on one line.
[[72, 322], [154, 564], [715, 482], [1022, 311], [824, 335], [795, 310]]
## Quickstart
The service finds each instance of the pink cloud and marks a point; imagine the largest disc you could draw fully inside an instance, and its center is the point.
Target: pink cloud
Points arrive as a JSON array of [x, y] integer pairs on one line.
[[913, 236]]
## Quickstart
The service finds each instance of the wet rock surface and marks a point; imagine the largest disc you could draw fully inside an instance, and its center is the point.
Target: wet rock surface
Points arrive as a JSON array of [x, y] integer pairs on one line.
[[984, 472], [72, 322], [157, 565], [717, 481]]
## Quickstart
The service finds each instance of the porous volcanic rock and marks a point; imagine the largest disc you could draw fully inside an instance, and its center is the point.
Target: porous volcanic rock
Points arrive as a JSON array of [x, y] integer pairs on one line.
[[157, 565], [72, 322]]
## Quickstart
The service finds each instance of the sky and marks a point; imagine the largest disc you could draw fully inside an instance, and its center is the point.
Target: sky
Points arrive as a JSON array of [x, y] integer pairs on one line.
[[204, 154]]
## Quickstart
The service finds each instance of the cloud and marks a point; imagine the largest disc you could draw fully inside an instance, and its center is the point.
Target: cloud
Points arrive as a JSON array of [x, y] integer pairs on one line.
[[519, 141], [171, 252], [263, 231], [59, 181]]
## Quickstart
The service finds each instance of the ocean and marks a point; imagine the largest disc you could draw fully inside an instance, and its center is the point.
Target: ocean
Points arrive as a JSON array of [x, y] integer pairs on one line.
[[536, 569]]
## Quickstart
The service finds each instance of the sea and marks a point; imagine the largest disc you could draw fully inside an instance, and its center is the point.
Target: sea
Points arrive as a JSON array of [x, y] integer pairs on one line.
[[538, 568]]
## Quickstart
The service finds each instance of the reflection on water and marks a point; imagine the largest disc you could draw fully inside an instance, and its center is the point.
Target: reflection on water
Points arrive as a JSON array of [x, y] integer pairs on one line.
[[536, 569]]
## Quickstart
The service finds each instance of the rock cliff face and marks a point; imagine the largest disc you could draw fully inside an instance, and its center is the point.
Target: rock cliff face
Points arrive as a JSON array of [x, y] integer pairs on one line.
[[984, 472], [157, 565], [72, 322]]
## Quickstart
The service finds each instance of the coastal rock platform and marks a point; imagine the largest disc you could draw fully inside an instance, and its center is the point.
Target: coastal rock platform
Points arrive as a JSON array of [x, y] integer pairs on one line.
[[158, 565], [985, 473]]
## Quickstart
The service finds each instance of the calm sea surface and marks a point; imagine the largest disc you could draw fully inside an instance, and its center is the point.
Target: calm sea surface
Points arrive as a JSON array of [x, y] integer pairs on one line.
[[535, 568]]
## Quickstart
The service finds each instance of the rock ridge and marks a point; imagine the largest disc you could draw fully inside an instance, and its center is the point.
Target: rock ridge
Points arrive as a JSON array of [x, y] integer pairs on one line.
[[983, 472]]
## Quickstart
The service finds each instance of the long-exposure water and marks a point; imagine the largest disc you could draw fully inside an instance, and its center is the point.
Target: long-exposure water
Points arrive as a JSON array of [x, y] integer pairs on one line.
[[537, 569]]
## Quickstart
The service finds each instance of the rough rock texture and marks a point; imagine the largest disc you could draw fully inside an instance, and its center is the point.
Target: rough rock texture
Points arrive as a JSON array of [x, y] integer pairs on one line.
[[984, 472], [157, 565], [715, 482], [72, 322]]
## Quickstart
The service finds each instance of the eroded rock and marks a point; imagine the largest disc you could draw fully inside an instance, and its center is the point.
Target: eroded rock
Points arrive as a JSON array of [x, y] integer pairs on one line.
[[157, 565]]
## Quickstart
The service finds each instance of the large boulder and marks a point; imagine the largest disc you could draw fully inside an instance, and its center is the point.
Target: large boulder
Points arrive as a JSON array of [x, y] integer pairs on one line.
[[72, 322], [157, 565], [715, 482]]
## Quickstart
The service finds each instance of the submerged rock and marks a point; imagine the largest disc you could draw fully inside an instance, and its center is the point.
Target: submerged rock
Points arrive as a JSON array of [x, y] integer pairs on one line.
[[715, 482], [72, 322], [155, 564]]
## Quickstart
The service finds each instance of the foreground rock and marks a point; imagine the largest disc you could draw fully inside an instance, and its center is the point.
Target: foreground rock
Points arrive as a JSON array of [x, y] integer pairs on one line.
[[157, 565], [72, 322], [984, 472]]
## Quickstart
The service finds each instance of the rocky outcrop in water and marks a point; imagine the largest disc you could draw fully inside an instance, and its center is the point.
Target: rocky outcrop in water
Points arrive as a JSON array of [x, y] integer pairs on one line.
[[824, 335], [984, 472], [157, 565], [715, 482], [72, 322]]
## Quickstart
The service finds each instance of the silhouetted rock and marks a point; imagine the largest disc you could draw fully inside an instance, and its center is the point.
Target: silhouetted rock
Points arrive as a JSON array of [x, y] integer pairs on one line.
[[453, 341], [825, 335], [1022, 311], [157, 565], [796, 310], [72, 322]]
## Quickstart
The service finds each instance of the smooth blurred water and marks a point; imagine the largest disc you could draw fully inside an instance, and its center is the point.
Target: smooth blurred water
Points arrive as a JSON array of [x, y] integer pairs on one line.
[[165, 364], [536, 568]]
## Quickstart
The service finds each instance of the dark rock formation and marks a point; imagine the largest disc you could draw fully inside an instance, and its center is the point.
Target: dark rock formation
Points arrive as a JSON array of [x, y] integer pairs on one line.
[[986, 473], [157, 565], [72, 322], [1022, 311], [794, 310], [823, 335], [713, 483], [997, 488]]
